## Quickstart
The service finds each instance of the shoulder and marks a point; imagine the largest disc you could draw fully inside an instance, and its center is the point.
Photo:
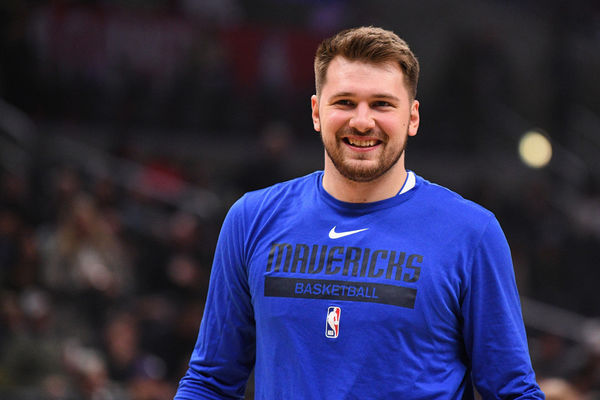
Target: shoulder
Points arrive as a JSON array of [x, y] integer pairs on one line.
[[443, 203], [278, 195]]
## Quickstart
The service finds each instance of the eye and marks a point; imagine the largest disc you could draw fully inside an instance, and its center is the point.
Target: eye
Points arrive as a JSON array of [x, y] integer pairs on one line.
[[344, 102], [381, 103]]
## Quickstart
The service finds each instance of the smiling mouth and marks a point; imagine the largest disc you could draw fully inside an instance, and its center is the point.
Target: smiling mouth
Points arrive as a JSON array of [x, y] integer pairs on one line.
[[362, 143]]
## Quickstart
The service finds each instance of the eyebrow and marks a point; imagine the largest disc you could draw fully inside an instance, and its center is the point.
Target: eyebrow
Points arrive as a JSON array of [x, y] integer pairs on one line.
[[383, 96]]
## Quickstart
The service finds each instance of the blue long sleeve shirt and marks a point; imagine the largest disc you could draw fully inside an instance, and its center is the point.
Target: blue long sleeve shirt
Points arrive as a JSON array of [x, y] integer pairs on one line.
[[412, 297]]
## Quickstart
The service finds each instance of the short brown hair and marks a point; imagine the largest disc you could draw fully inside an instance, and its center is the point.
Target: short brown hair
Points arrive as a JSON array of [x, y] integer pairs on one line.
[[371, 45]]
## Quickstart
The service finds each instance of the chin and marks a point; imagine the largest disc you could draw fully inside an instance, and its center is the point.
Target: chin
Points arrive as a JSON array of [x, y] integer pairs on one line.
[[361, 175]]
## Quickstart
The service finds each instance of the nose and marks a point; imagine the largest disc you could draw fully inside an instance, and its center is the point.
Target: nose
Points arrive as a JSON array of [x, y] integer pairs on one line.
[[362, 119]]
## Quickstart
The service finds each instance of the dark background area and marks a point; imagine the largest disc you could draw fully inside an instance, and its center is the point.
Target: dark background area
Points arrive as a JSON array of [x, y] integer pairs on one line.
[[128, 128]]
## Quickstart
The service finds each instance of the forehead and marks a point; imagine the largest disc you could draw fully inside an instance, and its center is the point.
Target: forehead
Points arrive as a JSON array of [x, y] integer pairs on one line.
[[360, 76]]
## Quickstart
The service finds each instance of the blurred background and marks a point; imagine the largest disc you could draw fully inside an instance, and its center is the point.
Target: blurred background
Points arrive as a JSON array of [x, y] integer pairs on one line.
[[129, 127]]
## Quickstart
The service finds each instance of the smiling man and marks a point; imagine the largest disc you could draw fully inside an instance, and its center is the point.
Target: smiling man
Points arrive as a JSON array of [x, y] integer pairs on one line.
[[365, 113], [364, 280]]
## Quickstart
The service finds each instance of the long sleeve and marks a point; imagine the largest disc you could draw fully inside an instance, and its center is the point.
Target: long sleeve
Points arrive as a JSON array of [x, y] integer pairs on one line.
[[225, 350], [494, 333]]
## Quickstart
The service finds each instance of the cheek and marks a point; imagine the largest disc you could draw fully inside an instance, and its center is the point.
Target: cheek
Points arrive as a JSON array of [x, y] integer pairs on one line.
[[334, 121], [396, 124], [336, 115]]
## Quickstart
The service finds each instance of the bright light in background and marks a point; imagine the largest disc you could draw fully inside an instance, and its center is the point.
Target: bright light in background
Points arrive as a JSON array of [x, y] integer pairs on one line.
[[535, 149]]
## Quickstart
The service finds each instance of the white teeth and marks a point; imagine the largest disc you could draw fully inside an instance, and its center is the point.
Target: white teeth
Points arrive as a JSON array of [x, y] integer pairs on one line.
[[362, 143]]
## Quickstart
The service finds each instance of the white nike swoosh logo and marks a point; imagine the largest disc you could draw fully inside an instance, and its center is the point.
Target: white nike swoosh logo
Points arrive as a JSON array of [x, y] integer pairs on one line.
[[336, 235]]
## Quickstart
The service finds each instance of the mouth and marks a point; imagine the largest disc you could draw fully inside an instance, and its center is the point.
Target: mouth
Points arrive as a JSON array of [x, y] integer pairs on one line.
[[361, 143]]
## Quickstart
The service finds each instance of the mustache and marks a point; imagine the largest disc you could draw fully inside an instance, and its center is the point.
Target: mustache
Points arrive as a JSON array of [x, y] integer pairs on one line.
[[349, 131]]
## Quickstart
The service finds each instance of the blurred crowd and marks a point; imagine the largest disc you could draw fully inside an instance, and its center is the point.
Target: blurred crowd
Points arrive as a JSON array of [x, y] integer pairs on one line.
[[103, 277], [93, 306]]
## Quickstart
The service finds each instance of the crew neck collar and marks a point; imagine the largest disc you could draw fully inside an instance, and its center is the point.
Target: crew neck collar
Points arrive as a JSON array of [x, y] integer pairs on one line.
[[410, 186]]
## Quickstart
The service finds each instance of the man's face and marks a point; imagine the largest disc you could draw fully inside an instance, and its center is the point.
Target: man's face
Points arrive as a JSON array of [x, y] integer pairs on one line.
[[364, 114]]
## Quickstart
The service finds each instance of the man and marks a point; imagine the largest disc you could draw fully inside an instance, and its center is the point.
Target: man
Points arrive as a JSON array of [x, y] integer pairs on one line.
[[363, 281]]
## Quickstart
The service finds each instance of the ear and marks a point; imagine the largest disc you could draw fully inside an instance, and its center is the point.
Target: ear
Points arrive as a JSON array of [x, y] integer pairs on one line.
[[413, 123], [314, 104]]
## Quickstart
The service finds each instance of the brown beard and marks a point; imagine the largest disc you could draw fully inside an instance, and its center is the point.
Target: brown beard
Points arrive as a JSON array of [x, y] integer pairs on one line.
[[361, 174]]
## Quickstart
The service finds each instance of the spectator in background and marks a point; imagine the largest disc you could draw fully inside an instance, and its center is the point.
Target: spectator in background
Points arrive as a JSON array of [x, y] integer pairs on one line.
[[559, 389], [270, 162], [83, 254]]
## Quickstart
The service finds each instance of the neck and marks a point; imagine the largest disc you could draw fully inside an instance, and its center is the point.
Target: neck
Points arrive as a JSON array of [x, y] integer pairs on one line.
[[384, 187]]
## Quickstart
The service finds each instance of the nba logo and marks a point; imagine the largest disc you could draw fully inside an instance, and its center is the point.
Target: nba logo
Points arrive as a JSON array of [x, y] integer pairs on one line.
[[332, 325]]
